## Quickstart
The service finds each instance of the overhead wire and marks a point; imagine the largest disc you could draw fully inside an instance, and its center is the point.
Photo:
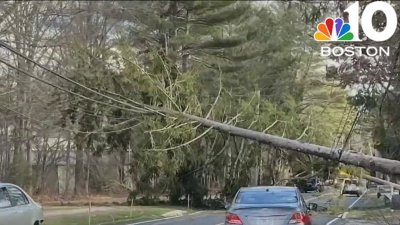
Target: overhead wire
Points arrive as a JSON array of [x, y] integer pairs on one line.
[[336, 134], [140, 109], [66, 90], [70, 130], [354, 123], [340, 135]]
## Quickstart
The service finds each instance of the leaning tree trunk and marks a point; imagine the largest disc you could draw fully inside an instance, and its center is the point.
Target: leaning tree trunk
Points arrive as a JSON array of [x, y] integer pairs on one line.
[[380, 181], [383, 165]]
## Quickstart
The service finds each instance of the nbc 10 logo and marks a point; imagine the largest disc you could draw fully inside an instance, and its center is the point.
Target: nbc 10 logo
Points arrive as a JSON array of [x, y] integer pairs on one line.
[[336, 30]]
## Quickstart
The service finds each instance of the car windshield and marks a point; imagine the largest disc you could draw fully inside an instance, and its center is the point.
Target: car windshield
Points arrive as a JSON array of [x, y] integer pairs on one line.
[[266, 197]]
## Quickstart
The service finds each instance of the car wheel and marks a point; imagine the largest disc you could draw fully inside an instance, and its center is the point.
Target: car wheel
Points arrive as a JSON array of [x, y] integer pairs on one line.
[[36, 223]]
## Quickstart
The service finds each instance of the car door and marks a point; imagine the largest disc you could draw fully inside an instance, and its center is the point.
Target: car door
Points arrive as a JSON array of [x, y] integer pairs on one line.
[[21, 206], [6, 211]]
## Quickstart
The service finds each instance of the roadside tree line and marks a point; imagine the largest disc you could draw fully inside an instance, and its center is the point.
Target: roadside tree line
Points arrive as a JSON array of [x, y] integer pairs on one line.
[[131, 92]]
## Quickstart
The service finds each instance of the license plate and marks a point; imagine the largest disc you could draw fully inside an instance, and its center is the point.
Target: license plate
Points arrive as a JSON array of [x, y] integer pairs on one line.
[[267, 222]]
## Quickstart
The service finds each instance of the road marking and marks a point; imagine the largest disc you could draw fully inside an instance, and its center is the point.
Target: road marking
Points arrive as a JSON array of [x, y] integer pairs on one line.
[[343, 216], [358, 199], [156, 220], [220, 224], [332, 221]]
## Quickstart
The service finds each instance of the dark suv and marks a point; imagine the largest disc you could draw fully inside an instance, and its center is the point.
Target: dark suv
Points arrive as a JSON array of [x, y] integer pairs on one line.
[[312, 184]]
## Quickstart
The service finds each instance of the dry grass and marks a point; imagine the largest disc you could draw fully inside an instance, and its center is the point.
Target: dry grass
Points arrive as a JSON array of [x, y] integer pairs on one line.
[[376, 211]]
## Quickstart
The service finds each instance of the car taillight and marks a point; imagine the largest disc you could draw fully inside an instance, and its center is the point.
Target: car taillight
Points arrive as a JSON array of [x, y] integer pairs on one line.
[[300, 218], [233, 219]]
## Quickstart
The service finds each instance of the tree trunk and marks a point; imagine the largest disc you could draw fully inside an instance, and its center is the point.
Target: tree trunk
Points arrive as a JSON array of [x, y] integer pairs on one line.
[[387, 166], [79, 169], [68, 165], [380, 181]]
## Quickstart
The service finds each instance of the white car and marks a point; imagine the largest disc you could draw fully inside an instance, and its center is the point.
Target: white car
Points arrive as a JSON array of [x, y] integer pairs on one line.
[[17, 207], [350, 186]]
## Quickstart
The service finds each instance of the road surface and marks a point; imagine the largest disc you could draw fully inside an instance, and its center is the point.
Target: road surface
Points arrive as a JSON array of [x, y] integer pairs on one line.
[[217, 217]]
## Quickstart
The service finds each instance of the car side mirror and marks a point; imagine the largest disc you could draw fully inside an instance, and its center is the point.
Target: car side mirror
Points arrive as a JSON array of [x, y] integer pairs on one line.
[[5, 204], [312, 206]]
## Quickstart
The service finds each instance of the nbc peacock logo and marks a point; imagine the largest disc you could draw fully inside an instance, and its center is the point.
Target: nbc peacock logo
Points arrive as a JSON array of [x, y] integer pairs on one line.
[[336, 30], [333, 30]]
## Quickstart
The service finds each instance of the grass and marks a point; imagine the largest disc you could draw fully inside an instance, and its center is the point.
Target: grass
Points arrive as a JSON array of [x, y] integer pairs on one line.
[[122, 216], [337, 205], [375, 210]]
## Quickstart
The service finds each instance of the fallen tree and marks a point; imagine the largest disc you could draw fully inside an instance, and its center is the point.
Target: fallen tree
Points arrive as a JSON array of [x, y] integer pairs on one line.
[[380, 181], [297, 177], [371, 163]]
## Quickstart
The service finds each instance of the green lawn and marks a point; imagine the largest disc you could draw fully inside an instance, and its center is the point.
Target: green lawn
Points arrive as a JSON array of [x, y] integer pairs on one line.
[[122, 216]]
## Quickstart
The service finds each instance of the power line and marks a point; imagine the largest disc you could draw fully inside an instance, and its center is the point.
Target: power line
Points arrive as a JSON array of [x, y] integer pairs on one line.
[[343, 127], [66, 90], [63, 128], [135, 108], [354, 123], [33, 103], [2, 44], [348, 136], [356, 119], [339, 132]]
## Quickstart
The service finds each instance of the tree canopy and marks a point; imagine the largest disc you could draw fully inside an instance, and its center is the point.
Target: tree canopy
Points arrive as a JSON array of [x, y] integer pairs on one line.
[[77, 74]]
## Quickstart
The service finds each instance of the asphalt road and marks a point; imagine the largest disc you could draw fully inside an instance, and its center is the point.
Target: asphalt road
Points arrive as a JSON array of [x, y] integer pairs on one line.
[[328, 200]]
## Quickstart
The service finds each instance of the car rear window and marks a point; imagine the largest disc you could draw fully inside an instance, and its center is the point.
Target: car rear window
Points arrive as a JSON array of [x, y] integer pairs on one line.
[[266, 197]]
